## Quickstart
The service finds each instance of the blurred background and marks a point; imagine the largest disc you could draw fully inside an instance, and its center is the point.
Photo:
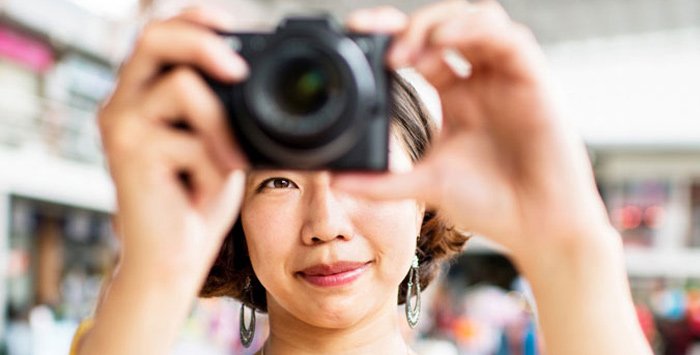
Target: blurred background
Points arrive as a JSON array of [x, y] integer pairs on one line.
[[629, 70]]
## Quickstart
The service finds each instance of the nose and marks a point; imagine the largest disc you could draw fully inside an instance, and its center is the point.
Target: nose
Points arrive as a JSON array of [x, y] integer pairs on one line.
[[327, 216]]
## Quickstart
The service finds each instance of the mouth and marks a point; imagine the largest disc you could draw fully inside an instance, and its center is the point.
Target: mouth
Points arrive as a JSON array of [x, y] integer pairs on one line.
[[335, 274]]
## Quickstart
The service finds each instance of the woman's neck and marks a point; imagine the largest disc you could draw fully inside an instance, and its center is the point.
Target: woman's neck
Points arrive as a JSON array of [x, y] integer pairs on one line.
[[378, 333]]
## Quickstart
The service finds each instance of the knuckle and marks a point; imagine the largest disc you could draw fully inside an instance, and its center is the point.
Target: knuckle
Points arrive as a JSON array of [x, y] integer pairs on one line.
[[420, 17], [206, 48], [494, 10], [421, 20], [120, 140], [102, 120], [388, 9], [417, 19], [148, 37], [183, 80], [457, 6], [193, 94], [194, 13]]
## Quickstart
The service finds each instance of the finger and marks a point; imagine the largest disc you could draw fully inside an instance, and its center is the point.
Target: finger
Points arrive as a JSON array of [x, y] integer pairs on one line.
[[175, 42], [383, 19], [186, 153], [182, 94], [456, 119], [413, 40], [488, 40], [387, 186], [432, 66], [216, 19]]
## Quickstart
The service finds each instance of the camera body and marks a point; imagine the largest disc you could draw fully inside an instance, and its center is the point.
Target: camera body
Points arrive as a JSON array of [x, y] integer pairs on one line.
[[316, 97]]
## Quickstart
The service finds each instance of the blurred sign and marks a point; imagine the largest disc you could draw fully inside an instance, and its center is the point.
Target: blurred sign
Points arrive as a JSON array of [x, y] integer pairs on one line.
[[25, 50]]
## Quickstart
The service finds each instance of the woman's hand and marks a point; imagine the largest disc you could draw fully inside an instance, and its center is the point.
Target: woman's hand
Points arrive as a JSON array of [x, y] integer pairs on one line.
[[505, 164], [178, 178], [171, 223], [507, 167]]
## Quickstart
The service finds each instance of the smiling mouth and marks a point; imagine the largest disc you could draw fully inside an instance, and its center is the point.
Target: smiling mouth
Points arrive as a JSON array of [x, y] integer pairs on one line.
[[335, 274]]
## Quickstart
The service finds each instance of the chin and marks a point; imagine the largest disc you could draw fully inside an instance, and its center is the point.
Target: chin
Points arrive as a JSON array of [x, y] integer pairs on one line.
[[340, 320], [336, 313]]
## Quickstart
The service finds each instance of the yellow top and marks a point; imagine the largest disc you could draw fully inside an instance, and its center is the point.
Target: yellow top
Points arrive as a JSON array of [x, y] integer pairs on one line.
[[83, 328]]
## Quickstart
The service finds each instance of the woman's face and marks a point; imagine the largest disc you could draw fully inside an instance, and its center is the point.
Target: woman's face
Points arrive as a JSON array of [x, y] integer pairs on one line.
[[327, 258]]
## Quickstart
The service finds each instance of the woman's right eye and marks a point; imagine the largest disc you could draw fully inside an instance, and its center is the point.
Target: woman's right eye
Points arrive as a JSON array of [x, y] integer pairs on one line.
[[277, 183]]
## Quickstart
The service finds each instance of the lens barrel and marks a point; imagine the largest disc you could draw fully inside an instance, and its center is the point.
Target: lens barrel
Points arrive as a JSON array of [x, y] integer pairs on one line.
[[316, 97]]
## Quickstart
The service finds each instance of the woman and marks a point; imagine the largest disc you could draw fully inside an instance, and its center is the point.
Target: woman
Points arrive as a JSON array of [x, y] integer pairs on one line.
[[328, 252]]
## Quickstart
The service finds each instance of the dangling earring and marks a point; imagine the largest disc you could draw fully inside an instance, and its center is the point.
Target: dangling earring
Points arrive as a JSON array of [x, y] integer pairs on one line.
[[413, 310], [247, 332]]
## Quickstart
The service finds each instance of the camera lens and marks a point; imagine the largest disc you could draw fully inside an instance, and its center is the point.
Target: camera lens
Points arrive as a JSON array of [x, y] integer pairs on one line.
[[304, 87], [305, 102], [300, 94], [316, 96]]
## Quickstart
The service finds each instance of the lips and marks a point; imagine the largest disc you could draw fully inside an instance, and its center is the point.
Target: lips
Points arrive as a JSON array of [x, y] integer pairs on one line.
[[335, 274]]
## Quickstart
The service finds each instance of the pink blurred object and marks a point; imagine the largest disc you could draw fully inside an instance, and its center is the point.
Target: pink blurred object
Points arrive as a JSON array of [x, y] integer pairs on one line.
[[29, 52]]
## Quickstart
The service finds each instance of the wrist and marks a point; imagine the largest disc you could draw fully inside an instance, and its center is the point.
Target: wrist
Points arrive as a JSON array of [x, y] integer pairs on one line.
[[142, 308], [156, 279], [582, 293], [591, 250]]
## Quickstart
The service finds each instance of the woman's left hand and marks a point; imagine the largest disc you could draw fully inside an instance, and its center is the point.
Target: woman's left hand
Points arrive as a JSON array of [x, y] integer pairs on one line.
[[505, 165]]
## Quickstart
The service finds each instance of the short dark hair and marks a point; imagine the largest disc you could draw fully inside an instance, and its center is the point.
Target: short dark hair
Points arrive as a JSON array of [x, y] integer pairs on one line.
[[438, 240]]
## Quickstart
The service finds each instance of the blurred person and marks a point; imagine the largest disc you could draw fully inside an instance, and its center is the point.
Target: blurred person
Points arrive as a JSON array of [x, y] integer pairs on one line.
[[504, 165]]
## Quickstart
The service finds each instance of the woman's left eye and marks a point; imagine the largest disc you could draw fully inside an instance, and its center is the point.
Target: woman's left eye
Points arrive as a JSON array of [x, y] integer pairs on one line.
[[277, 183]]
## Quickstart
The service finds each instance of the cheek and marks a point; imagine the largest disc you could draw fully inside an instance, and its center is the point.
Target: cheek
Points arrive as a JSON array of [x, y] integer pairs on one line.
[[396, 220], [391, 230], [269, 237]]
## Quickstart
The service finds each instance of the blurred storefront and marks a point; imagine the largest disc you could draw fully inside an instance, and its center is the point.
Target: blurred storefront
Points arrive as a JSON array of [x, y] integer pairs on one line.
[[57, 257], [56, 242], [631, 80]]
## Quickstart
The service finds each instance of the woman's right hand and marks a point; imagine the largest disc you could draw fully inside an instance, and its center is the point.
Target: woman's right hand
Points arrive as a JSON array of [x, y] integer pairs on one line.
[[168, 227], [171, 228]]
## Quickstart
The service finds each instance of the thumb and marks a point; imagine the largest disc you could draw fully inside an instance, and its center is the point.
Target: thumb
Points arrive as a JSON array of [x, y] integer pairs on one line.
[[386, 186]]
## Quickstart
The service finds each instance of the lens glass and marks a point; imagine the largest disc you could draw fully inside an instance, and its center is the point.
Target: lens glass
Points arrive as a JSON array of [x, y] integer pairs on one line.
[[305, 86]]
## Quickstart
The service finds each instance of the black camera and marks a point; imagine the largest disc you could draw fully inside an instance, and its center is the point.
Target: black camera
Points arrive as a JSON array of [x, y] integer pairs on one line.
[[316, 97]]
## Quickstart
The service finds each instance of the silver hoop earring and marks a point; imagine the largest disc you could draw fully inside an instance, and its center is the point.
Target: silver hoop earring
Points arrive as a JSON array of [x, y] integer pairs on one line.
[[413, 289], [247, 332]]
